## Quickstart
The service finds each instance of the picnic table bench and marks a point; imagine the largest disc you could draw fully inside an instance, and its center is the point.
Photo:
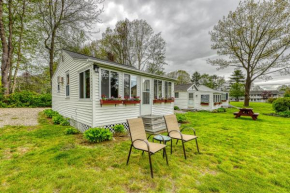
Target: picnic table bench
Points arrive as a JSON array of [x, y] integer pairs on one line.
[[246, 112]]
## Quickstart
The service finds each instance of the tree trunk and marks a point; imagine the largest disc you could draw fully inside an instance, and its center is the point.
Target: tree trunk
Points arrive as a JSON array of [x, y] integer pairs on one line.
[[247, 91], [51, 56]]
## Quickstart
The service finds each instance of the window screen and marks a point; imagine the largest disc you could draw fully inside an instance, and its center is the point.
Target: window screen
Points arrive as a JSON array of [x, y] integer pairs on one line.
[[133, 86], [114, 84], [205, 98], [105, 83], [126, 85]]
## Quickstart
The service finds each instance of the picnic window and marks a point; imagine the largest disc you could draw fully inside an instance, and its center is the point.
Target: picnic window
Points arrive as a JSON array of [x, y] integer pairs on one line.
[[130, 86], [176, 95], [85, 84], [109, 84], [167, 89], [205, 98], [157, 89], [67, 85]]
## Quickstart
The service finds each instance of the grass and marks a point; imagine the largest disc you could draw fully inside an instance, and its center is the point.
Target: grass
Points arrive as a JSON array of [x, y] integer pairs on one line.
[[237, 155]]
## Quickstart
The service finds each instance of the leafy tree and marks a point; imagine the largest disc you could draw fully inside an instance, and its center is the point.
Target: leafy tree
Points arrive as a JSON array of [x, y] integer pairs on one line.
[[212, 81], [237, 77], [287, 92], [237, 90], [283, 87], [134, 43], [182, 76], [195, 78], [256, 37], [64, 21]]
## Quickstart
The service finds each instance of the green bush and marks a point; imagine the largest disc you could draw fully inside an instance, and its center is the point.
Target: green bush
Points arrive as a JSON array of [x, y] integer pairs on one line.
[[221, 110], [71, 131], [181, 118], [271, 100], [119, 129], [25, 99], [65, 122], [50, 113], [96, 135], [281, 104], [284, 114], [176, 108], [214, 111], [57, 119]]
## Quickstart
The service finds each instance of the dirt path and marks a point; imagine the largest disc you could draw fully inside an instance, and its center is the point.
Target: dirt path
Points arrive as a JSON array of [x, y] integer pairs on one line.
[[19, 116]]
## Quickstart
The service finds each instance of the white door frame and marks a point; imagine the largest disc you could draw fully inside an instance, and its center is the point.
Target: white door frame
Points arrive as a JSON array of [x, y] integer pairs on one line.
[[146, 109], [190, 101]]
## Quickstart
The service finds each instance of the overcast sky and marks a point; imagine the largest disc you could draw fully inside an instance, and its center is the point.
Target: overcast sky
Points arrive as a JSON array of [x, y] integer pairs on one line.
[[184, 25]]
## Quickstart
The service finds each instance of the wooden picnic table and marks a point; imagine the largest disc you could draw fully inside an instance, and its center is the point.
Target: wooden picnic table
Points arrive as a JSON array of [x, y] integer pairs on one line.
[[246, 112]]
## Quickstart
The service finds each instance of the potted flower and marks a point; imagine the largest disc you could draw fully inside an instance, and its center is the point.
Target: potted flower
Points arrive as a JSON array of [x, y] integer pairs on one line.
[[111, 101], [158, 100], [132, 100], [169, 100]]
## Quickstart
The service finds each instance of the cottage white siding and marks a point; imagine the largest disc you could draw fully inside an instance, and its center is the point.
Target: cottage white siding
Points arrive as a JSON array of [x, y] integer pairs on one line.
[[182, 100], [73, 107]]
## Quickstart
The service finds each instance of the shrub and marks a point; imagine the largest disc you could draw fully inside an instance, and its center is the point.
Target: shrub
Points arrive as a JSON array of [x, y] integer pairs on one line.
[[50, 113], [57, 119], [284, 114], [176, 108], [181, 118], [214, 111], [71, 131], [119, 129], [281, 104], [25, 99], [96, 135], [271, 100], [221, 110], [65, 122]]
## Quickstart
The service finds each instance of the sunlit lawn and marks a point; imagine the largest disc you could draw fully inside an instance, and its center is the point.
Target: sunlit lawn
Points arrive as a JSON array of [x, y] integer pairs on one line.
[[237, 155]]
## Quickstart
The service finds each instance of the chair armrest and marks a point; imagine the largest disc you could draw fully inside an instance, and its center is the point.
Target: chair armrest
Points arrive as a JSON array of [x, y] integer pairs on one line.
[[177, 132], [191, 129], [145, 141]]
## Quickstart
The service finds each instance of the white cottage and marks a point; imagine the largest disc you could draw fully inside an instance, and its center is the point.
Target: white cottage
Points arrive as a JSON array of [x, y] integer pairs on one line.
[[190, 96], [80, 81]]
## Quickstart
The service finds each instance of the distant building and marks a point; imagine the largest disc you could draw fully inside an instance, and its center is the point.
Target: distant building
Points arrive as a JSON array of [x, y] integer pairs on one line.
[[257, 95]]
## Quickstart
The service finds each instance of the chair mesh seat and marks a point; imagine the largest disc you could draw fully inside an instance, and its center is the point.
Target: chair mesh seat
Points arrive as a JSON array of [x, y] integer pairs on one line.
[[176, 135], [154, 147]]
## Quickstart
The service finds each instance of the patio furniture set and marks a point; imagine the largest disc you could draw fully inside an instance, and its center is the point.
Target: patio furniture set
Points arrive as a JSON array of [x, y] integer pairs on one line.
[[141, 142], [246, 112]]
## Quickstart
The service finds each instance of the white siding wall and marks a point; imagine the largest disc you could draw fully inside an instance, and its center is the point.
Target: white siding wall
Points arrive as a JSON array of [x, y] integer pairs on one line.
[[182, 101], [111, 114], [197, 100], [72, 107]]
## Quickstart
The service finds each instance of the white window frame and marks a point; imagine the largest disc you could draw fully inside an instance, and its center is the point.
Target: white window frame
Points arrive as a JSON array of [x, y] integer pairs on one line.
[[129, 84], [177, 95], [167, 88], [84, 78], [162, 95], [67, 95], [100, 81]]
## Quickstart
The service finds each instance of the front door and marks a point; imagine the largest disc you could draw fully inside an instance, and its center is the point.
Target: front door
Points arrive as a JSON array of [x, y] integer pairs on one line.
[[146, 102], [190, 100]]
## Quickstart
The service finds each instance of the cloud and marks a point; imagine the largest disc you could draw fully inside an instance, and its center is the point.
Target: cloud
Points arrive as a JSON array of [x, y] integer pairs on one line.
[[184, 25]]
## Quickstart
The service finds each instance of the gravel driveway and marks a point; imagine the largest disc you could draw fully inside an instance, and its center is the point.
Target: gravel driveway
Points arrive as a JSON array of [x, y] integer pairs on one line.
[[19, 116]]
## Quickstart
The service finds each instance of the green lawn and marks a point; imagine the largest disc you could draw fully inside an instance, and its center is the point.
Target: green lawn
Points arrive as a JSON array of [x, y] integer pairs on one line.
[[237, 155]]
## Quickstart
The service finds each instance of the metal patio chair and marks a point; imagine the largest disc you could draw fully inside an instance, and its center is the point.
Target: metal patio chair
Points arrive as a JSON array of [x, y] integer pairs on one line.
[[175, 133], [140, 142]]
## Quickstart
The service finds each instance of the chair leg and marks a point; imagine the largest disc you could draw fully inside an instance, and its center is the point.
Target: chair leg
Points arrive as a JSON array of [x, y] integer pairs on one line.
[[176, 141], [183, 149], [171, 145], [150, 164], [197, 145], [129, 154], [164, 152]]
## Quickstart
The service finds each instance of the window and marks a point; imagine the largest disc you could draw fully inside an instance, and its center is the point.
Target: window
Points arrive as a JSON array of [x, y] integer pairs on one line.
[[190, 96], [67, 85], [58, 87], [157, 89], [176, 95], [109, 84], [224, 97], [85, 85], [205, 98], [167, 89], [130, 86], [216, 98], [146, 92]]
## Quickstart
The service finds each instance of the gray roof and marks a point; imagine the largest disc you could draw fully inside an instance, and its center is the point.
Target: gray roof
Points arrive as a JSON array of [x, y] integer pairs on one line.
[[85, 57], [261, 91], [182, 87], [185, 87]]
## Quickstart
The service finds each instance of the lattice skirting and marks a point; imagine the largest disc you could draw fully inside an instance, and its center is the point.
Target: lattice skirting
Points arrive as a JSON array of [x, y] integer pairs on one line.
[[83, 127]]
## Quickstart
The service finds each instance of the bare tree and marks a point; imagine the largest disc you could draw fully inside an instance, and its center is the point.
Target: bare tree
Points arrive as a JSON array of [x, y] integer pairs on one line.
[[256, 37], [63, 20]]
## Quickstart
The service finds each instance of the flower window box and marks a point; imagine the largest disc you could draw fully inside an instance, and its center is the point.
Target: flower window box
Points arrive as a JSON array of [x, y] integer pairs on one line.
[[169, 101], [158, 101], [130, 102], [204, 104], [224, 100], [110, 102]]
